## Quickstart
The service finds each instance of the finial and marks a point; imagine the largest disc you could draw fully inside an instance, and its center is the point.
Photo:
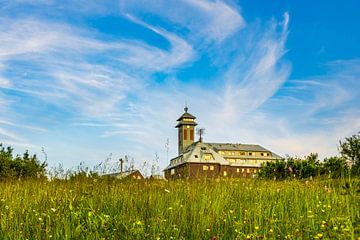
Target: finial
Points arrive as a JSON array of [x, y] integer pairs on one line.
[[186, 107]]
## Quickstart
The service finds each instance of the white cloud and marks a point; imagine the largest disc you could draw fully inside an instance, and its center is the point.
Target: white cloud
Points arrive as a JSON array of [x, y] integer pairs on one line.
[[206, 20]]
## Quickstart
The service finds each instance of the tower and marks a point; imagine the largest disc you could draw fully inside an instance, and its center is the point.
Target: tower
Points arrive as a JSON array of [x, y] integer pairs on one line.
[[186, 125]]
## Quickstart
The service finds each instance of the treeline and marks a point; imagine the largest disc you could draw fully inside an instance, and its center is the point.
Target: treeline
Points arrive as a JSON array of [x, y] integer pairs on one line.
[[20, 166], [346, 164]]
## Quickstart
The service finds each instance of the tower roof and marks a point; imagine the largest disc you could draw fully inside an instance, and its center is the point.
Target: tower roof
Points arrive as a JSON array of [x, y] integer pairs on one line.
[[186, 115], [183, 119]]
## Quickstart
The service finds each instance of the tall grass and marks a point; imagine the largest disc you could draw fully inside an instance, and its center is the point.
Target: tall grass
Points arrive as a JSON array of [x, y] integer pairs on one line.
[[225, 209]]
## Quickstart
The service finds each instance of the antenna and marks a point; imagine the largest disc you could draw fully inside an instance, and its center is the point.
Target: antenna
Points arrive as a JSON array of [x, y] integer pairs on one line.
[[167, 146], [200, 132], [121, 164]]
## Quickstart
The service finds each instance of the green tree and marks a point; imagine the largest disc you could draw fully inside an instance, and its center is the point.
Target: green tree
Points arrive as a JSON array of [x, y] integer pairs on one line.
[[25, 166], [335, 167], [350, 150]]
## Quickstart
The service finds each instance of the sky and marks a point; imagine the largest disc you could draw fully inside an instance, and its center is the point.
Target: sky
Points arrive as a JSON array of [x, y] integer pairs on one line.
[[92, 81]]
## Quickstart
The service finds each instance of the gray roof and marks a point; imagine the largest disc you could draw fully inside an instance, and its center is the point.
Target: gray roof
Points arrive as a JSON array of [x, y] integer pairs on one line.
[[240, 147], [186, 115], [121, 175], [237, 146]]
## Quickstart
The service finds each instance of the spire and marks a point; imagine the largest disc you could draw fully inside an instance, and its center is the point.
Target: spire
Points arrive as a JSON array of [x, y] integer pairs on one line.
[[186, 107]]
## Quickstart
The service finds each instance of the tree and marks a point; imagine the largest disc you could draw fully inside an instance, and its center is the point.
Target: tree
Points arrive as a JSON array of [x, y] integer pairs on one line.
[[350, 150], [25, 166], [335, 167]]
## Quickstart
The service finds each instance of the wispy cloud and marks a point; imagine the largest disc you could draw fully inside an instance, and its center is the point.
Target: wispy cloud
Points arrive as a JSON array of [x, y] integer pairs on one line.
[[107, 90], [206, 20]]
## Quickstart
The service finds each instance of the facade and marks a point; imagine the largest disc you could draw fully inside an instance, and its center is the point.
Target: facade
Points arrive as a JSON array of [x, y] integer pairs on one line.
[[212, 160]]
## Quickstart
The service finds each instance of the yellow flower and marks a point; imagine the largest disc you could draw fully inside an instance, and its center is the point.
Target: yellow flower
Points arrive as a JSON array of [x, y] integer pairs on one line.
[[271, 230], [320, 235], [256, 228]]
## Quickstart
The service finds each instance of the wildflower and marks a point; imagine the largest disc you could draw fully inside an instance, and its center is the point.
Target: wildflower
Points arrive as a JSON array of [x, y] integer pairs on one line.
[[271, 231], [208, 229], [256, 228], [320, 235], [53, 209], [166, 190], [138, 222], [248, 237], [170, 208]]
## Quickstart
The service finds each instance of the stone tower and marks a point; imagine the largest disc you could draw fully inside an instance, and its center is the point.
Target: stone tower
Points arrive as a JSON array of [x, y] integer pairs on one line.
[[186, 125]]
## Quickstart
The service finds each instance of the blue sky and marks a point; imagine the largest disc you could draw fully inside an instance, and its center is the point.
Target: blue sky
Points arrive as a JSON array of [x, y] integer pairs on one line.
[[86, 79]]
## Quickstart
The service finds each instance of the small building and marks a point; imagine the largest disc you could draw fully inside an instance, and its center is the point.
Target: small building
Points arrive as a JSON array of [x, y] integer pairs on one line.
[[157, 177], [127, 175], [200, 159]]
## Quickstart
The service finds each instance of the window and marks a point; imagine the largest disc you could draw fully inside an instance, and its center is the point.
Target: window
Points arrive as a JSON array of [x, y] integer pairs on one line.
[[242, 153], [211, 168], [231, 160], [248, 170], [196, 156], [238, 170], [242, 170], [208, 156], [205, 168], [172, 171], [250, 153], [254, 170], [262, 154], [192, 134], [225, 173], [185, 134]]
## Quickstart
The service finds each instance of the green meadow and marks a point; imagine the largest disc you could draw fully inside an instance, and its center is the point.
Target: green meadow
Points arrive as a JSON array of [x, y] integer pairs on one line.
[[217, 209]]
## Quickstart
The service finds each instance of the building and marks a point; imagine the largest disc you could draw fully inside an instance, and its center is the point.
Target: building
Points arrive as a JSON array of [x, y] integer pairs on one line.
[[127, 175], [200, 159]]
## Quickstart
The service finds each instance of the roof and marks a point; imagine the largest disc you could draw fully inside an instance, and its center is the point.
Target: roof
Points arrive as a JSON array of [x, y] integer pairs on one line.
[[185, 123], [240, 147], [186, 115], [121, 175], [195, 154]]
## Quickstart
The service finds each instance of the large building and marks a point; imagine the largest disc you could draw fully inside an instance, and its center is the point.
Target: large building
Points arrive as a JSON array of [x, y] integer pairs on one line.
[[200, 159]]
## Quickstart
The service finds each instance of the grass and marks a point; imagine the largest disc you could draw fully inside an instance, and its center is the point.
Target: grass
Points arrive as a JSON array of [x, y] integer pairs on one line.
[[225, 209]]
